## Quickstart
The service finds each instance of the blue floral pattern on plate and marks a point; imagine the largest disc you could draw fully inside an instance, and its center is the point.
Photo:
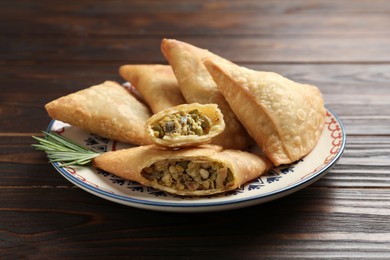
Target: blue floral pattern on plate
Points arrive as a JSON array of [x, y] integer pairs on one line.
[[277, 183]]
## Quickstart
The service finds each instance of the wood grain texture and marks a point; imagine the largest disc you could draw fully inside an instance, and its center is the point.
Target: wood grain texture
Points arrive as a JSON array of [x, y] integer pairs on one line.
[[327, 223], [49, 50], [202, 22], [251, 49]]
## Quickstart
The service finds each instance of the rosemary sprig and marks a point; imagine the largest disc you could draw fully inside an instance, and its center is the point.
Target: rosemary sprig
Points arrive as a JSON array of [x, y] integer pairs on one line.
[[63, 150]]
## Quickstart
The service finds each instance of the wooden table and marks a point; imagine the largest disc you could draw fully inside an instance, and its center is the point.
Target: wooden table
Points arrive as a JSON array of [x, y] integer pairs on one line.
[[51, 49]]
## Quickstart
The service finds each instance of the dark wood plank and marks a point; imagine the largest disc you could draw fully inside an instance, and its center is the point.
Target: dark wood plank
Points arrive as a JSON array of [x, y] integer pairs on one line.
[[23, 118], [88, 7], [367, 125], [23, 166], [230, 23], [365, 163], [251, 49], [310, 223], [139, 18]]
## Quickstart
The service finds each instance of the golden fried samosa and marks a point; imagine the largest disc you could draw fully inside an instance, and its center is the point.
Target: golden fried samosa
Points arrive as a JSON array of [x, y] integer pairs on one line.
[[108, 110], [284, 117], [185, 125], [197, 86], [197, 171], [156, 83]]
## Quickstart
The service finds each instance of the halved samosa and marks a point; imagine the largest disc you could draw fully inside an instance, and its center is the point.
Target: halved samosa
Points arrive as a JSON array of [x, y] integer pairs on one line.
[[197, 171], [185, 125], [284, 117], [108, 110], [156, 83], [197, 86]]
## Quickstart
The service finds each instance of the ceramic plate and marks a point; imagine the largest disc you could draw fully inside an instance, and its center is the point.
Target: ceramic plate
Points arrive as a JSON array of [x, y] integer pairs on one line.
[[279, 182]]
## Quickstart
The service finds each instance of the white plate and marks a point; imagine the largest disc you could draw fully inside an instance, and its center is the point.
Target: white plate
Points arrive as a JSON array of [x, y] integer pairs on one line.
[[279, 182]]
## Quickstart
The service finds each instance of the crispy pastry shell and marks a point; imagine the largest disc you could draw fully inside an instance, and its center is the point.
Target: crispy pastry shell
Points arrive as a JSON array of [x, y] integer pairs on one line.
[[129, 164], [210, 110], [156, 83], [108, 110], [197, 86], [284, 117]]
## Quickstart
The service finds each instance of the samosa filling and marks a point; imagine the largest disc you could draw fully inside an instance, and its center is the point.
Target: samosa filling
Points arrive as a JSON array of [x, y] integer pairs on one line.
[[189, 175], [182, 123]]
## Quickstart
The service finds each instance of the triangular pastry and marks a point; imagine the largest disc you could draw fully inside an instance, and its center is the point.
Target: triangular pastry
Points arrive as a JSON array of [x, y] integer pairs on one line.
[[284, 117], [196, 171], [197, 86], [185, 125], [108, 110], [156, 83]]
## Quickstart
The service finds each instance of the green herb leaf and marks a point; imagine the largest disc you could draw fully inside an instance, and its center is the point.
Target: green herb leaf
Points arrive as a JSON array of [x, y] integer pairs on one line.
[[63, 150]]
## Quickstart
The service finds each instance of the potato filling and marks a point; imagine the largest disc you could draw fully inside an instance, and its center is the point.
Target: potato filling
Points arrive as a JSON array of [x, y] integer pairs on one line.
[[189, 175], [182, 123]]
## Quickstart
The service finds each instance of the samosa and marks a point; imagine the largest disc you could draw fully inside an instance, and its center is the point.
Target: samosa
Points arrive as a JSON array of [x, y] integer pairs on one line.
[[284, 117], [197, 86], [156, 83], [185, 125], [107, 109], [195, 171]]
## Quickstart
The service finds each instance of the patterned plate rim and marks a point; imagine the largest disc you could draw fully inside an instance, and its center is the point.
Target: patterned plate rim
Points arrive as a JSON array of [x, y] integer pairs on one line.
[[274, 194]]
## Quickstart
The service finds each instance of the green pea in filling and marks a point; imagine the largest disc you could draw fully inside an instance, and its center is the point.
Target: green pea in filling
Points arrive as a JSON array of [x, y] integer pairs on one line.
[[189, 175], [182, 123]]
